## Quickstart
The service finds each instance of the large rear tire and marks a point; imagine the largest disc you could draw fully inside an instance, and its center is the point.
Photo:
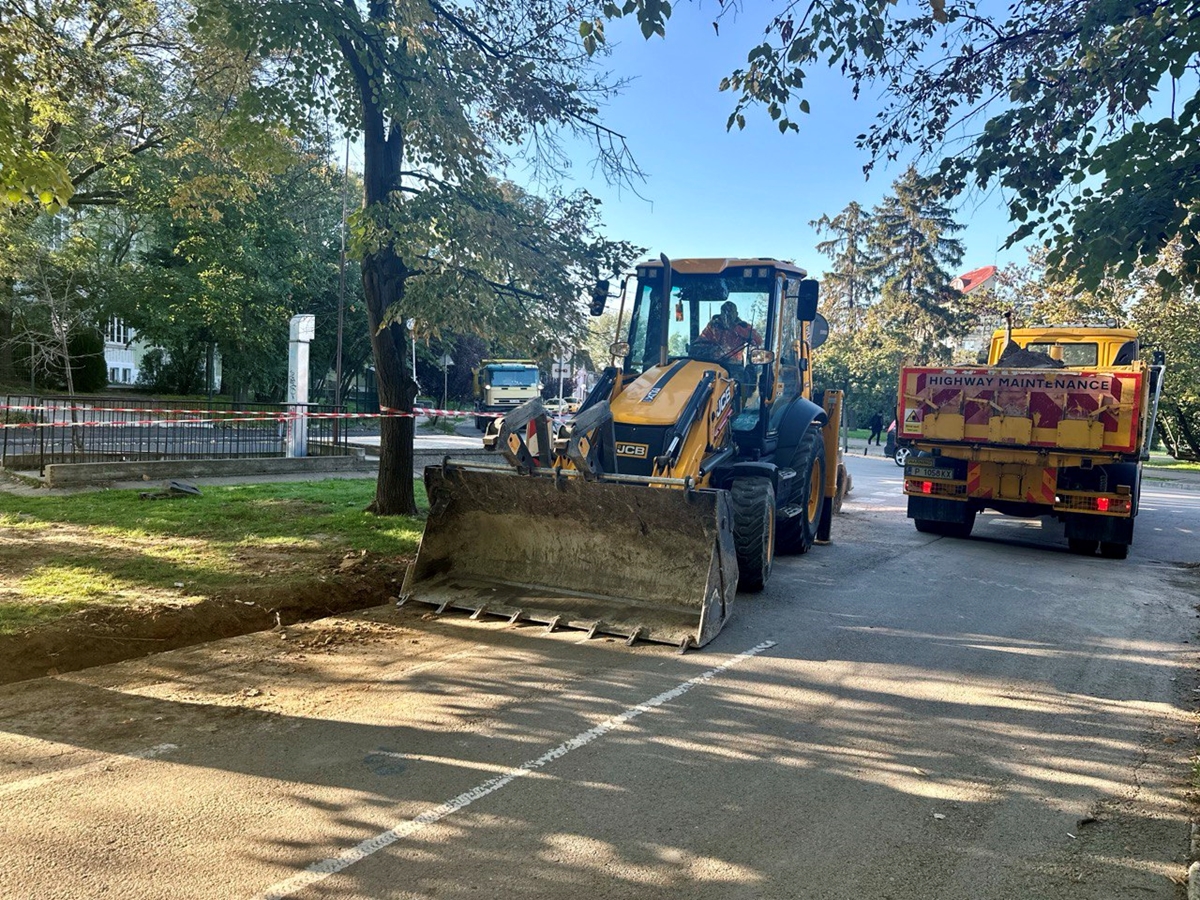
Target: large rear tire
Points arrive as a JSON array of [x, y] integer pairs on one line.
[[796, 535], [947, 529], [753, 501], [1113, 550], [960, 529], [1082, 546]]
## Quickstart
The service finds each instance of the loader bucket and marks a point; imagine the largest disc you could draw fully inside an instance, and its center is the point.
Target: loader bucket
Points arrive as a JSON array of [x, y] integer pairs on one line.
[[642, 562]]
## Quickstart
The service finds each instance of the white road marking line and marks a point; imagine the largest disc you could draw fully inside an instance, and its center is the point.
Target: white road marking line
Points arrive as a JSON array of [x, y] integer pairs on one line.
[[442, 761], [320, 871], [102, 765]]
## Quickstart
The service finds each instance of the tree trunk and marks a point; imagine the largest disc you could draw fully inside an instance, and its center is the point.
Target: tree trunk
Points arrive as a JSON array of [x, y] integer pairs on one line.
[[383, 285], [384, 274]]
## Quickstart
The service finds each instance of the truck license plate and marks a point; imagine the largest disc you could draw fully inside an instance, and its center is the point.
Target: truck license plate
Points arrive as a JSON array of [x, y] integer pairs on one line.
[[929, 472]]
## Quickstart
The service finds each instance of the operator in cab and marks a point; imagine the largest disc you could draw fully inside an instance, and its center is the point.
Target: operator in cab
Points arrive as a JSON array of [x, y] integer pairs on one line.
[[730, 332]]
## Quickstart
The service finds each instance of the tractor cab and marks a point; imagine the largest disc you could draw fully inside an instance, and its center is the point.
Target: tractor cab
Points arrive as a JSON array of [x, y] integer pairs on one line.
[[746, 316]]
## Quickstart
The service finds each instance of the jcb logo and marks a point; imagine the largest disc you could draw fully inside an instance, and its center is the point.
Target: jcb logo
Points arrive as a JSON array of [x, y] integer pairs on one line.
[[636, 450], [723, 402]]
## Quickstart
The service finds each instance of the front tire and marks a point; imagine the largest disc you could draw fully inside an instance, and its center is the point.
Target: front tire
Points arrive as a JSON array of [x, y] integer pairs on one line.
[[753, 501], [796, 535]]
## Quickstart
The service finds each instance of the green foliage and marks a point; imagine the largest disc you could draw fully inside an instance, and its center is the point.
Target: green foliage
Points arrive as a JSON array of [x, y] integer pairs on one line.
[[490, 259], [1168, 320], [1036, 295], [231, 267], [1084, 113], [913, 257], [84, 88], [179, 370], [602, 331], [444, 95], [887, 296], [866, 365], [53, 320], [849, 287], [88, 372], [89, 91]]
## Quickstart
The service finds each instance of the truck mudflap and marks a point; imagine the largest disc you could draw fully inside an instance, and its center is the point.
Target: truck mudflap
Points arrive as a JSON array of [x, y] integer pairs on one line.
[[639, 561], [1045, 408]]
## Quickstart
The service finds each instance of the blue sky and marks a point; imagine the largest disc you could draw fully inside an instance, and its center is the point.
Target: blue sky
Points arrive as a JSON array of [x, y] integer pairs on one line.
[[710, 192]]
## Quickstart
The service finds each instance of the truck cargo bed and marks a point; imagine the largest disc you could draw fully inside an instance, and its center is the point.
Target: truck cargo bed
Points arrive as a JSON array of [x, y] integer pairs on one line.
[[1064, 409]]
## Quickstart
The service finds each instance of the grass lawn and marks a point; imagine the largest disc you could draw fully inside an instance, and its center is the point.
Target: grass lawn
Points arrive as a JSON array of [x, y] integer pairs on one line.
[[59, 554], [1163, 461]]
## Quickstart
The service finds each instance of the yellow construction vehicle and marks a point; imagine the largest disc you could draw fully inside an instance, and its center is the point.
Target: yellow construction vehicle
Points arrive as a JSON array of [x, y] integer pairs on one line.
[[698, 455], [1058, 424]]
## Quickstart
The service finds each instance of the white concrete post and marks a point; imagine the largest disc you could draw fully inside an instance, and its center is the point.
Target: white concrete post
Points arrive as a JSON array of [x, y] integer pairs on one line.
[[300, 333]]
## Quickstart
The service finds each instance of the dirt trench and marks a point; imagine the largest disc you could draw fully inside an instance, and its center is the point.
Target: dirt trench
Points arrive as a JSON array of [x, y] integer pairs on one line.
[[107, 634]]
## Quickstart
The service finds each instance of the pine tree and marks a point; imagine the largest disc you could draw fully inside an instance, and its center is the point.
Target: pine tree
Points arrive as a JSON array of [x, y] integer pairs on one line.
[[915, 258], [848, 287]]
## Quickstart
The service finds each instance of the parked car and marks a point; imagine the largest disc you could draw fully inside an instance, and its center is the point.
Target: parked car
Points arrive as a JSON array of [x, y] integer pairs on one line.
[[561, 406], [899, 454]]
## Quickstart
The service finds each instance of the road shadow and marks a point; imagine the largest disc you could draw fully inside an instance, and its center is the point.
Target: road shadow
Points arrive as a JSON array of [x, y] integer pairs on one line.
[[844, 769]]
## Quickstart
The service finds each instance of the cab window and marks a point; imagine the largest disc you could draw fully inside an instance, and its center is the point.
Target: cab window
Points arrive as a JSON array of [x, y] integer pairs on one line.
[[1072, 354]]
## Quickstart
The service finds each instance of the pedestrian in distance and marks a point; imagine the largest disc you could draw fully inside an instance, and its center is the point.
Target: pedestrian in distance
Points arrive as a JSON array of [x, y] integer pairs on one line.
[[876, 424]]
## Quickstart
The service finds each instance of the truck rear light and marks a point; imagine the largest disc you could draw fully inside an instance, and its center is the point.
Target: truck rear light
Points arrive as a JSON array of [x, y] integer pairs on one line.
[[1102, 504], [926, 487]]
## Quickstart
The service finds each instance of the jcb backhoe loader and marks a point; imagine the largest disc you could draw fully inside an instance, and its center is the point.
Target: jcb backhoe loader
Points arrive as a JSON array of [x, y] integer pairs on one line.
[[684, 472]]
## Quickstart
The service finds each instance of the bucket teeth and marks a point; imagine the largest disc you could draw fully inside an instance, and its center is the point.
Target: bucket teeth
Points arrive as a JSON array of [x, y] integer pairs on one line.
[[634, 635], [553, 624], [479, 613], [514, 618]]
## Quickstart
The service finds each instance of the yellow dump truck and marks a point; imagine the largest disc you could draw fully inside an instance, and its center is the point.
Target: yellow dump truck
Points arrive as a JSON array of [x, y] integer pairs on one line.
[[1057, 424]]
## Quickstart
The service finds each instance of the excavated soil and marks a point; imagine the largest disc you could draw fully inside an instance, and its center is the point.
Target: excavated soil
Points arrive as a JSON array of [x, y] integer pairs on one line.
[[106, 634]]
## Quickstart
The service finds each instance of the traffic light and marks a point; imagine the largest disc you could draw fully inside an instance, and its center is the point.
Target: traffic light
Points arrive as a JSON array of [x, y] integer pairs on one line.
[[599, 298]]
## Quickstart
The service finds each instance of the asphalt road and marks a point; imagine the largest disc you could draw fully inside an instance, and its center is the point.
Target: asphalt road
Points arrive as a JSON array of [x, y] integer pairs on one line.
[[897, 716]]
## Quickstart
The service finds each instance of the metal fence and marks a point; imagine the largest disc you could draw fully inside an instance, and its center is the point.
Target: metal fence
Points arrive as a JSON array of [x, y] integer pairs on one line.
[[40, 431]]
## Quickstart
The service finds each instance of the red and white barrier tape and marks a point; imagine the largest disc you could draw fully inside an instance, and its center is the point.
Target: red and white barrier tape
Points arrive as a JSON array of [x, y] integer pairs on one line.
[[217, 416]]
